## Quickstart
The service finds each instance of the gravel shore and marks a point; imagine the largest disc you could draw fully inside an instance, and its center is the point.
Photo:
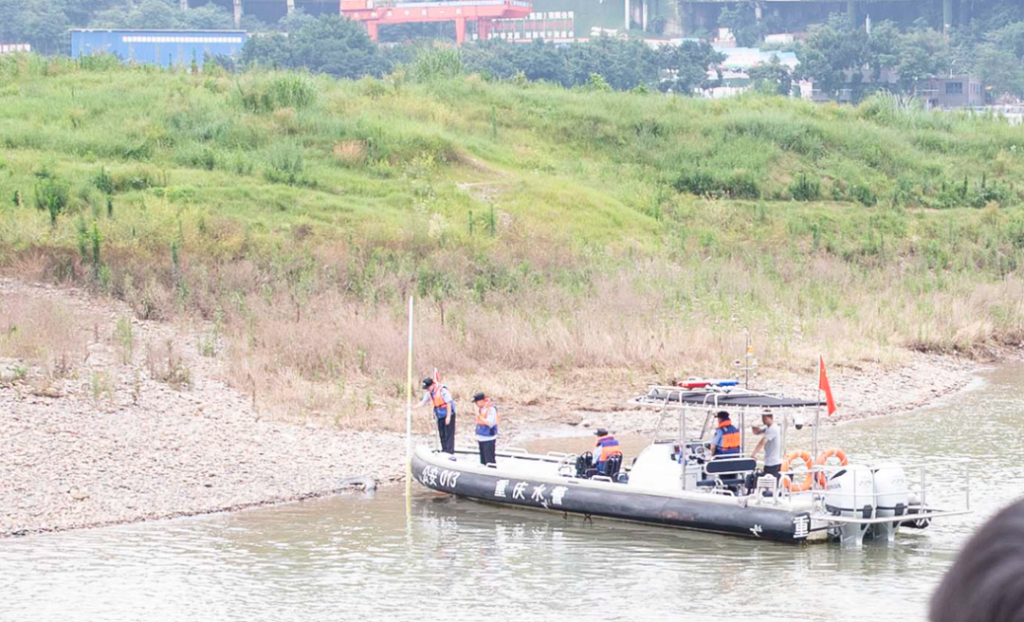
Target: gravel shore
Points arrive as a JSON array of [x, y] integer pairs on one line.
[[76, 455], [114, 441]]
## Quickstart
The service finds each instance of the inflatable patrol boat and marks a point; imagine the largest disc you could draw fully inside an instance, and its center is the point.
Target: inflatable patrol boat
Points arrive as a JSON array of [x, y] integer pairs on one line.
[[675, 482]]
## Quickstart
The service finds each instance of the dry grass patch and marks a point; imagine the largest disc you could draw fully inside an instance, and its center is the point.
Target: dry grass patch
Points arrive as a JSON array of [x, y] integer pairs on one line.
[[44, 333], [350, 152]]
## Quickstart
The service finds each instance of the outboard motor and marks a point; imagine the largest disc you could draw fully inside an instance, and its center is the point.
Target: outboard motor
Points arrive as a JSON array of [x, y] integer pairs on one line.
[[850, 492], [892, 499]]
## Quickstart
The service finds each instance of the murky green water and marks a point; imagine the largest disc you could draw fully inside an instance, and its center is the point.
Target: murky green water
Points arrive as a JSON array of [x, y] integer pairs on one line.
[[359, 558]]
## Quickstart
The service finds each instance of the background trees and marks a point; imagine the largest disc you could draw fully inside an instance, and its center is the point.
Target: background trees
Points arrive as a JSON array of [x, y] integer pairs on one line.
[[622, 64], [839, 55], [773, 78]]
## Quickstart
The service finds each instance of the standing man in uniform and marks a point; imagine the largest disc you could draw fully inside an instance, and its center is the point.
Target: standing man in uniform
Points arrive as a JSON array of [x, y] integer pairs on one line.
[[486, 427], [440, 398], [771, 443]]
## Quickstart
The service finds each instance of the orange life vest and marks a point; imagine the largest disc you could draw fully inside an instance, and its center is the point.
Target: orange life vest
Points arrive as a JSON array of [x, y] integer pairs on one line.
[[609, 446], [436, 398], [482, 427], [730, 443]]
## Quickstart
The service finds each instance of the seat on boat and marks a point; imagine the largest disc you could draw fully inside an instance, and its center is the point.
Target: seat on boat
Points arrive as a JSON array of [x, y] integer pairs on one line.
[[611, 468], [726, 472], [730, 466], [584, 468]]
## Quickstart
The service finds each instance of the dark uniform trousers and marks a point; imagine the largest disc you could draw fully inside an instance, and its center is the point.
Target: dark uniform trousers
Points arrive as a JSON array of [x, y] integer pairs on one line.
[[487, 451], [446, 432]]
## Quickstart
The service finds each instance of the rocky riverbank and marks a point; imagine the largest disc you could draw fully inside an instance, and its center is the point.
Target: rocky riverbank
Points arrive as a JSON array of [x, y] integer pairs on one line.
[[145, 428], [108, 419]]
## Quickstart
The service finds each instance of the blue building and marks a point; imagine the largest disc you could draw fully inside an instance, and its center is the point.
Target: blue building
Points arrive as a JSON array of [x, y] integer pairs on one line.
[[162, 47]]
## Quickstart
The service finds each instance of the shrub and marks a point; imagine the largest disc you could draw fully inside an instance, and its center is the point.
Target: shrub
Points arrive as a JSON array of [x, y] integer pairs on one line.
[[285, 91], [597, 83], [434, 64], [103, 181], [350, 152], [99, 62], [864, 195], [52, 196], [199, 157], [701, 182], [285, 166], [805, 189], [137, 178]]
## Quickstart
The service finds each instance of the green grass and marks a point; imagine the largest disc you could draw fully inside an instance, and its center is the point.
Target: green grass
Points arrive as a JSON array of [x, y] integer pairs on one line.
[[543, 226]]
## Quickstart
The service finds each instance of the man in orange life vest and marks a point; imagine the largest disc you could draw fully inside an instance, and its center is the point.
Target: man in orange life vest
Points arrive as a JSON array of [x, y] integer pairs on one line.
[[486, 427], [606, 447], [440, 398], [726, 441]]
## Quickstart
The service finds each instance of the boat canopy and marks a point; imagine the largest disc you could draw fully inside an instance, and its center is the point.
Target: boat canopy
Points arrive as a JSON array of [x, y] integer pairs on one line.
[[740, 399]]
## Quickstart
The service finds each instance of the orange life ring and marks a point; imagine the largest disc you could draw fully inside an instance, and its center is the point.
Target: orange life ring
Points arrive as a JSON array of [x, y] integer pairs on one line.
[[805, 484], [823, 457]]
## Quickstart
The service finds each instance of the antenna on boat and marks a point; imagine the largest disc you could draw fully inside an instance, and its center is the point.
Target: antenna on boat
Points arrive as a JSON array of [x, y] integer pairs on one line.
[[408, 422], [747, 363]]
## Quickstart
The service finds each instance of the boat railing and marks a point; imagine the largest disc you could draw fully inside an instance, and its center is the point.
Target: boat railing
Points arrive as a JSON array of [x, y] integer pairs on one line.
[[709, 394], [917, 486]]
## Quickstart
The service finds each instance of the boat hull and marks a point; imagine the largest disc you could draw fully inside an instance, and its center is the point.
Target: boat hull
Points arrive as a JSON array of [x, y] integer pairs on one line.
[[609, 500]]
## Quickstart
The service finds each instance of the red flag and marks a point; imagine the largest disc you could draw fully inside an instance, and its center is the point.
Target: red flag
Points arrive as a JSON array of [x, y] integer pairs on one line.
[[824, 386]]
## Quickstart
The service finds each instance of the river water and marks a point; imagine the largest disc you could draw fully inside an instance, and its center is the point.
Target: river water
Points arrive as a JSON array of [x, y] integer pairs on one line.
[[359, 557]]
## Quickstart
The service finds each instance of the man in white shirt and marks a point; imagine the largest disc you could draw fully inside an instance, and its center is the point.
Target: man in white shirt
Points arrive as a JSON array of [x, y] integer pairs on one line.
[[772, 444]]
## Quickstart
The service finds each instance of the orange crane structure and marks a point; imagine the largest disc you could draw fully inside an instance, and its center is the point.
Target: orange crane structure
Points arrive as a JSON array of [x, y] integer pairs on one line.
[[373, 13]]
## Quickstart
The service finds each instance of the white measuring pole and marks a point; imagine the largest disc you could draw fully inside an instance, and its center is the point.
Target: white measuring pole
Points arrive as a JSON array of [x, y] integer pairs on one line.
[[408, 420]]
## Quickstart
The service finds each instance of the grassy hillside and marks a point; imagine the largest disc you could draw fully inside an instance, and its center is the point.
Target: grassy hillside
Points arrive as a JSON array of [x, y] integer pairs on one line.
[[542, 228]]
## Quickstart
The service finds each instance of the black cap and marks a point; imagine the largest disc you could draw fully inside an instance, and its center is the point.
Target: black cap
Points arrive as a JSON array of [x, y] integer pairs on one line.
[[722, 414], [427, 382], [601, 432], [479, 397]]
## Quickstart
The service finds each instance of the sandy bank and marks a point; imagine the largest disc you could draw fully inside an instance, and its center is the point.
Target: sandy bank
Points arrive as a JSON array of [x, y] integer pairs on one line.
[[138, 424]]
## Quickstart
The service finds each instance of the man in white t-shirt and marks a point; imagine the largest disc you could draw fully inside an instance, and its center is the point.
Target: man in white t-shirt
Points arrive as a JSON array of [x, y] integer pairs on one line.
[[772, 444]]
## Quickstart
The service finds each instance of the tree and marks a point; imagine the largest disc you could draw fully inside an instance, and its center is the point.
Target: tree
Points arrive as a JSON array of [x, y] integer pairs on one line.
[[157, 14], [1010, 37], [164, 14], [37, 22], [882, 51], [773, 77], [830, 52], [540, 61], [329, 44], [688, 66], [206, 17], [295, 21], [741, 20], [923, 53], [268, 51], [999, 69], [623, 64]]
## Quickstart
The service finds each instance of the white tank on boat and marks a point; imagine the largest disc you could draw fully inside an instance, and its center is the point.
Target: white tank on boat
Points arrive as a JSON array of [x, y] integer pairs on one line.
[[656, 468], [850, 492], [892, 498]]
